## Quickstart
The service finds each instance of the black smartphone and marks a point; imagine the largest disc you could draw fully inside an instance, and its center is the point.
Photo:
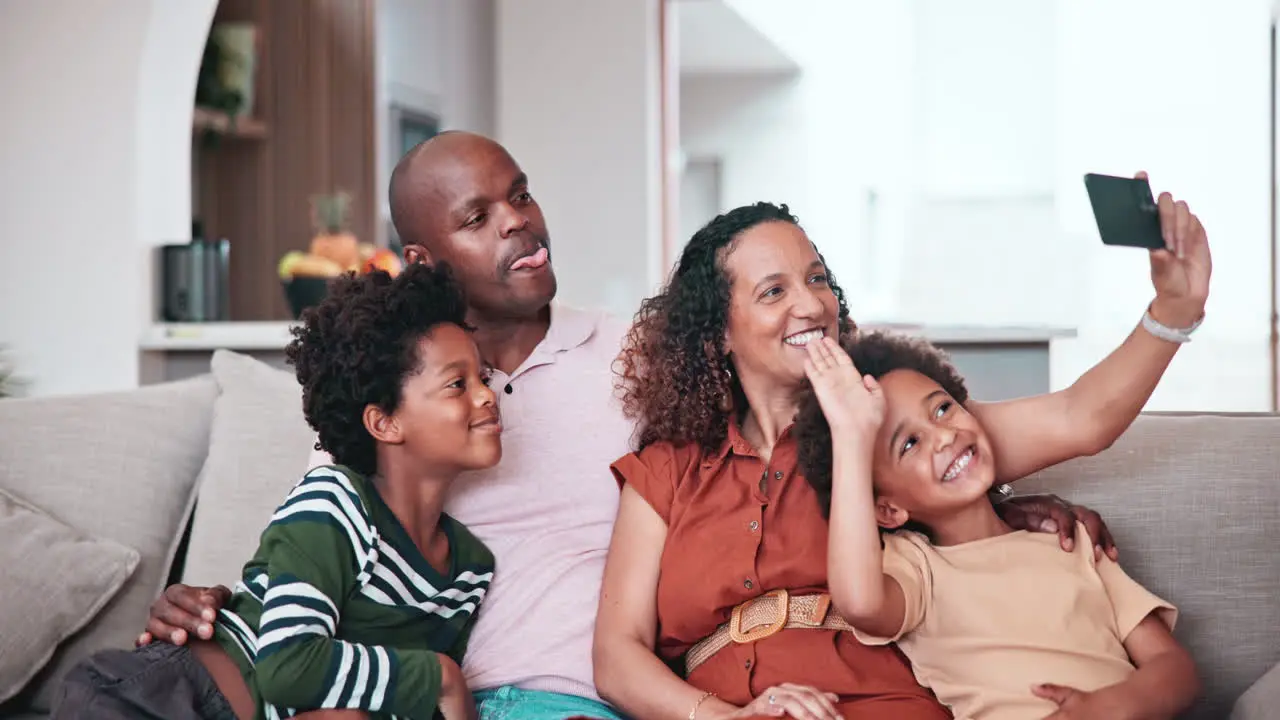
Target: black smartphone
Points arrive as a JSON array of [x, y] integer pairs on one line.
[[1126, 212]]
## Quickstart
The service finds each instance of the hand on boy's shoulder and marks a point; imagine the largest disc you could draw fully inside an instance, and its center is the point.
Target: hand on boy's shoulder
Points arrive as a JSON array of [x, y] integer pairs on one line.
[[1052, 514]]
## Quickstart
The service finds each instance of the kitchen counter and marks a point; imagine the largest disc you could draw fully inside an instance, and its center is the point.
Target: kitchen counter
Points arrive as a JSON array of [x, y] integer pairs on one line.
[[188, 337], [274, 335]]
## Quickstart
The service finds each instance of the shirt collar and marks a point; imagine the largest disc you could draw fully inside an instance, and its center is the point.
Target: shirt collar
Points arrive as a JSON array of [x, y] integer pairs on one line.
[[570, 327], [735, 442]]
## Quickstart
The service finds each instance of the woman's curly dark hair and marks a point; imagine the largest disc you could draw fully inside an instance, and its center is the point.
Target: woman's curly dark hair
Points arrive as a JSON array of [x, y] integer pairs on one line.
[[876, 354], [674, 376], [357, 346]]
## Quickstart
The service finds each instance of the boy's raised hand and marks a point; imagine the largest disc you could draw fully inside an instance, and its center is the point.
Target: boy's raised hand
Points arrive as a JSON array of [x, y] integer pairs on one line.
[[854, 404]]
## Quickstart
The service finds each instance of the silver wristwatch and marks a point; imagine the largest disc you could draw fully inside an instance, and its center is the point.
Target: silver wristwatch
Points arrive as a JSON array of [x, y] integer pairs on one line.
[[1164, 332]]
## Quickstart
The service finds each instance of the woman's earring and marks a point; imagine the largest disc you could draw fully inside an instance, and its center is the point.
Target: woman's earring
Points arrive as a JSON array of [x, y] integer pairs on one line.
[[726, 398]]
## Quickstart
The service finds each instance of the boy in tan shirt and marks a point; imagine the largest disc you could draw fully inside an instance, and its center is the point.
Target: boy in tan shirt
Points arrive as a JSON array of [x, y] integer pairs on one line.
[[887, 443]]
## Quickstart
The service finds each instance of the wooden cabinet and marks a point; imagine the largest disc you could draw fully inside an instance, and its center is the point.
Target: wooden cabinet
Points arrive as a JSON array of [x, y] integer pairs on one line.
[[311, 130]]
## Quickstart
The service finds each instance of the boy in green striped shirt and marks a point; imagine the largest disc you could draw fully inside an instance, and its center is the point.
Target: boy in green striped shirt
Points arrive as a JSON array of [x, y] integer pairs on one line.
[[362, 592]]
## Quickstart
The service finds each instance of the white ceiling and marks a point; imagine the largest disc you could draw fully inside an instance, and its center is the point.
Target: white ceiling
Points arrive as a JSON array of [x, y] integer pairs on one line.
[[715, 39]]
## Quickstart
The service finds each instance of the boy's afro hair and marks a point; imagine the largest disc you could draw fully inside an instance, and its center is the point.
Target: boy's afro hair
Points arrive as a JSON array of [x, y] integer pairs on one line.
[[357, 346], [876, 354]]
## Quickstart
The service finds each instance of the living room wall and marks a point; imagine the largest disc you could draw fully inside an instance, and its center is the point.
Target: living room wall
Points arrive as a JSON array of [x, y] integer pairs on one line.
[[94, 171], [579, 106], [935, 151], [95, 161], [435, 57]]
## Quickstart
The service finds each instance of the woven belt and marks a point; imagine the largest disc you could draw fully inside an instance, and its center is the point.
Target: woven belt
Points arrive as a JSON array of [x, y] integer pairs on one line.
[[763, 616]]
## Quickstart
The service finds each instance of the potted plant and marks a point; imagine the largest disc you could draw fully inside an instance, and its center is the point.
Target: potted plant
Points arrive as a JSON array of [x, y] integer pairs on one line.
[[224, 84]]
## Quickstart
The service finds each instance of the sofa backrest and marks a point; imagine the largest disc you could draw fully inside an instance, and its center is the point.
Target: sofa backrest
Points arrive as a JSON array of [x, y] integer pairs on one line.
[[1192, 501]]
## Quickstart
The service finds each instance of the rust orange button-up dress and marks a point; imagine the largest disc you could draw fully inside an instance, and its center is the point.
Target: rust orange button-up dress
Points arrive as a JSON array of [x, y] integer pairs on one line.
[[736, 528]]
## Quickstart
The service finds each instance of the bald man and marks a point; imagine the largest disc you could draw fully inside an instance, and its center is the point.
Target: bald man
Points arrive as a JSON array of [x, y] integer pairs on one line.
[[547, 509]]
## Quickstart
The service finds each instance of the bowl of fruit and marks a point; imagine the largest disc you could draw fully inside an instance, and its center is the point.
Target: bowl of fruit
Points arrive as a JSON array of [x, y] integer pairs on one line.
[[333, 251]]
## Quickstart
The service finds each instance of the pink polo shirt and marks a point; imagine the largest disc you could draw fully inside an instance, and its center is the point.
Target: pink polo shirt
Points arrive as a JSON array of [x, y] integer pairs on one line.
[[547, 509]]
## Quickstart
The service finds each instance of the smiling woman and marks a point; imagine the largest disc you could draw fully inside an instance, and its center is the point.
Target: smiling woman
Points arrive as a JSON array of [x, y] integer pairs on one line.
[[712, 369]]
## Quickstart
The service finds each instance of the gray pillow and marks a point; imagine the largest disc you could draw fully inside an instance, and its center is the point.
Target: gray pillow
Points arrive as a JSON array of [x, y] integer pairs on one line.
[[53, 580], [258, 449], [120, 466]]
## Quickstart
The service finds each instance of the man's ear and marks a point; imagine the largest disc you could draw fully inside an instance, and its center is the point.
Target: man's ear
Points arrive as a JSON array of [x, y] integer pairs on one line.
[[415, 253], [888, 515], [381, 426]]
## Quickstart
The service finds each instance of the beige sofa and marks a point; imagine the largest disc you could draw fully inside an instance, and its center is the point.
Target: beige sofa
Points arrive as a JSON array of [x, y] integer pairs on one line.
[[109, 483]]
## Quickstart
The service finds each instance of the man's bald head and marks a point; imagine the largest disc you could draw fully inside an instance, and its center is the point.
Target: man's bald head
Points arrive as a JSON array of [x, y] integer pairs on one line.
[[413, 184], [460, 198]]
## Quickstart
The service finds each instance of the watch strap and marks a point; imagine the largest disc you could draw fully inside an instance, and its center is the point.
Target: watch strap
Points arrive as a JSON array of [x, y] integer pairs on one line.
[[1164, 332]]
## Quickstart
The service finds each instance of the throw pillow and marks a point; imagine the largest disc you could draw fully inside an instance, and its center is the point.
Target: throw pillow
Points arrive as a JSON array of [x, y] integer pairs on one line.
[[258, 450], [53, 580], [120, 466]]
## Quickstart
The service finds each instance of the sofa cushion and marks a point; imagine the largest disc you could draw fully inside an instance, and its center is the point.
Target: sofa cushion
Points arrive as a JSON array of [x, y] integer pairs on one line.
[[258, 451], [120, 466], [56, 579], [1192, 502]]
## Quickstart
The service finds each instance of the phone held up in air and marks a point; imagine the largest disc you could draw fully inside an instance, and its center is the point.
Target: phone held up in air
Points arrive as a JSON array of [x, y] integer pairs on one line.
[[1126, 212]]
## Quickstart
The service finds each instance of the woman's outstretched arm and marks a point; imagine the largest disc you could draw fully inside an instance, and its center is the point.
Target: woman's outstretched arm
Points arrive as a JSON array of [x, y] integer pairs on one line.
[[1033, 433]]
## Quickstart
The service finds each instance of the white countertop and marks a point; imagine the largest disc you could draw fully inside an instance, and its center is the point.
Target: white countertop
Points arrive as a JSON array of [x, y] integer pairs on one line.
[[216, 335], [978, 334], [179, 337]]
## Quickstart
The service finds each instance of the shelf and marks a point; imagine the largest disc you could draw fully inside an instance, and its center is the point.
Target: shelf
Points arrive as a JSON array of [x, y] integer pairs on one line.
[[248, 128], [180, 337]]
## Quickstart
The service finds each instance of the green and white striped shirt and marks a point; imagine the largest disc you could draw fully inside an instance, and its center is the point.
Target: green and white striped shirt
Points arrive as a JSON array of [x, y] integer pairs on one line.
[[339, 609]]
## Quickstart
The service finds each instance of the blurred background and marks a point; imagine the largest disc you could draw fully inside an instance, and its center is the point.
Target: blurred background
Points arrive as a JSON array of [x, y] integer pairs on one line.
[[933, 149]]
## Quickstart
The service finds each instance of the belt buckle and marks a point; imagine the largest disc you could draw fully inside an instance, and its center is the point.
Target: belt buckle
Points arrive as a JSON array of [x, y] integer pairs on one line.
[[760, 632]]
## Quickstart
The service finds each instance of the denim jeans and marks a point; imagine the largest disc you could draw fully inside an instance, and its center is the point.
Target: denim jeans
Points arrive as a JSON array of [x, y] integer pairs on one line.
[[512, 703], [155, 681]]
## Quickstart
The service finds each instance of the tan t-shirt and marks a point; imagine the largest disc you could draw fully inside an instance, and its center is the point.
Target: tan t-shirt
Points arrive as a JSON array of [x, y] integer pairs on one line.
[[987, 620]]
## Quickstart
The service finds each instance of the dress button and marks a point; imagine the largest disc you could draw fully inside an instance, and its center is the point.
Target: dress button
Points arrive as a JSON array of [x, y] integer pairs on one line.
[[748, 663], [755, 525], [746, 584], [777, 475]]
